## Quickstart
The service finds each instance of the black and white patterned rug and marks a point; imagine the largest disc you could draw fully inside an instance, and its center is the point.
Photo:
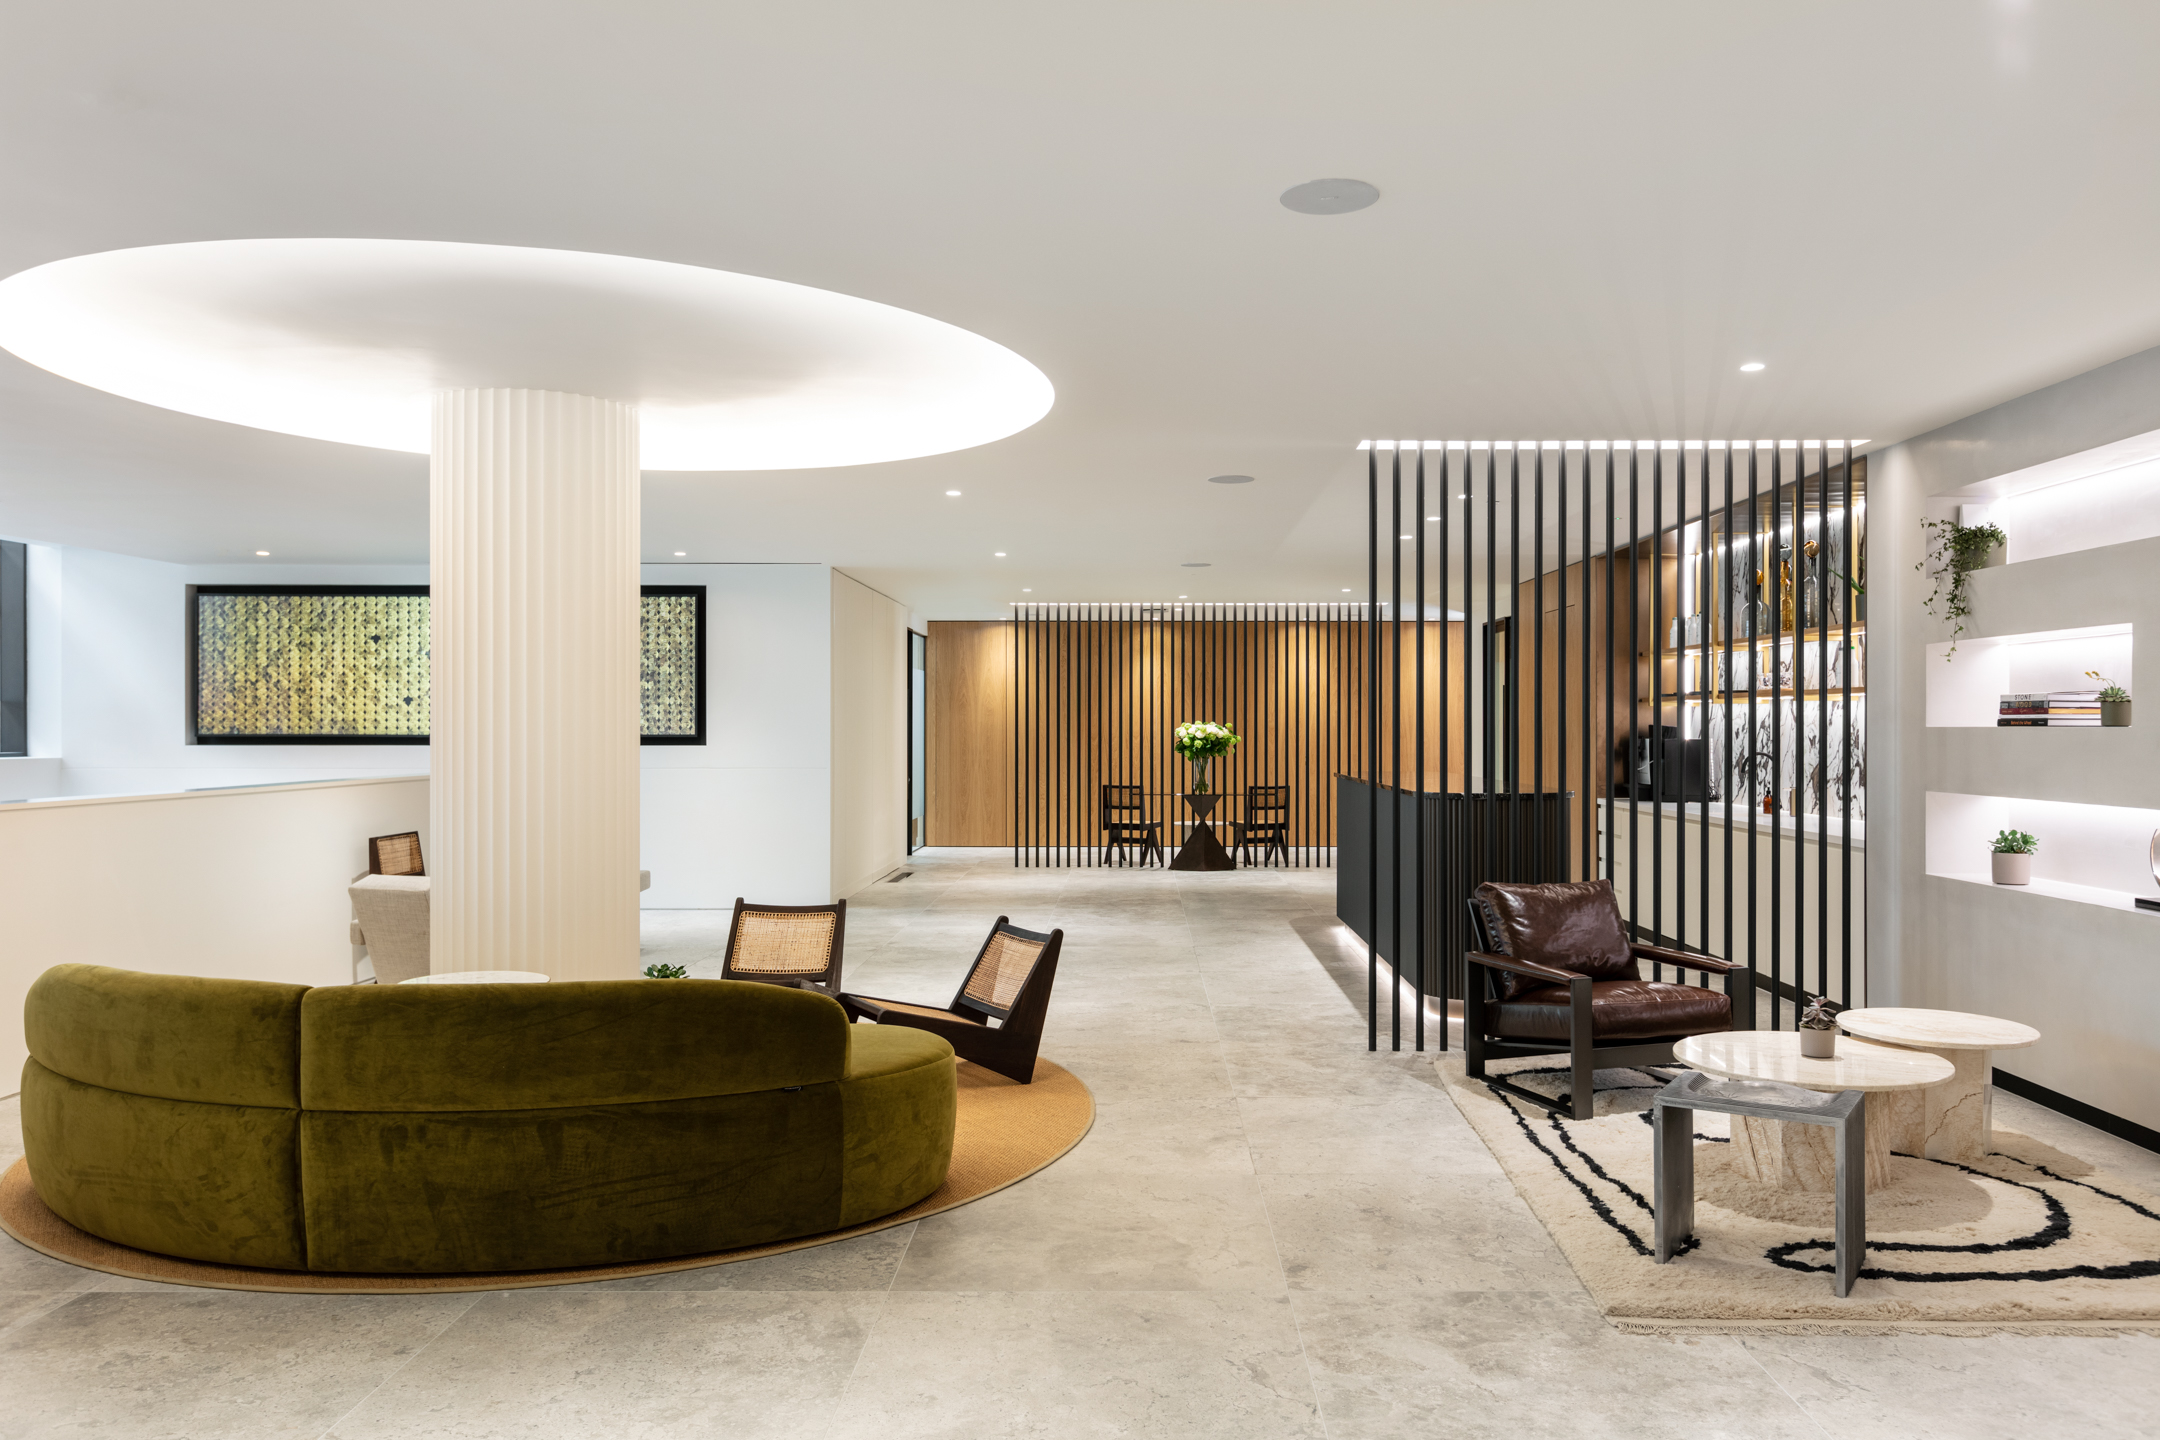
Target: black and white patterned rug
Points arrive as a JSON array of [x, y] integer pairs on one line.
[[2029, 1239]]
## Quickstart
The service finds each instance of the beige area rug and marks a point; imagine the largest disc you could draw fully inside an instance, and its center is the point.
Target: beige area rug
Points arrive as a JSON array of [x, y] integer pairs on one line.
[[2033, 1240], [1006, 1132]]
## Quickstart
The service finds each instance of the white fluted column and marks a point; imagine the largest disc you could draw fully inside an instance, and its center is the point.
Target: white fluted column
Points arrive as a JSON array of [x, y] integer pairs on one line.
[[533, 509]]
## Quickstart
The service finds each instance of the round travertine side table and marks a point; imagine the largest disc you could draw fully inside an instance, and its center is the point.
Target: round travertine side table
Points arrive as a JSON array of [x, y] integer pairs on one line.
[[480, 977], [1954, 1120], [1803, 1157]]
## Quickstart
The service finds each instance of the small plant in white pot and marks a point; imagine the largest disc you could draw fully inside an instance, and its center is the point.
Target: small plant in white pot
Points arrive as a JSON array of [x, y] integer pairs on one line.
[[660, 970], [2013, 857], [1818, 1029], [2114, 702]]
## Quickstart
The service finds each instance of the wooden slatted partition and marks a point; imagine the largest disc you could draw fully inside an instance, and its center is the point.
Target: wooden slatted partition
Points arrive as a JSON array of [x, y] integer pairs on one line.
[[1098, 690]]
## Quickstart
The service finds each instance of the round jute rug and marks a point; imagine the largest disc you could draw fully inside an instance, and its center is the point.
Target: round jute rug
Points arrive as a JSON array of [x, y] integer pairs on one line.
[[1006, 1132]]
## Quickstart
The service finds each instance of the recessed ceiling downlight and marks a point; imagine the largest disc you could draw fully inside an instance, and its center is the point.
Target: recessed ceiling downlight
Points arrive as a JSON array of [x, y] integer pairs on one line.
[[1751, 367], [349, 340], [1195, 564], [1229, 479], [1330, 197]]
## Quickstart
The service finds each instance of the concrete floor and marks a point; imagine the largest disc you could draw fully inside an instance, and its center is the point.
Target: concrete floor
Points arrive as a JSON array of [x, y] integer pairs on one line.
[[1270, 1232]]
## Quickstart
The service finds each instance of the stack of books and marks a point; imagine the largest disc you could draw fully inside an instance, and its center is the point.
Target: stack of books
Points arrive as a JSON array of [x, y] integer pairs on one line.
[[2050, 707]]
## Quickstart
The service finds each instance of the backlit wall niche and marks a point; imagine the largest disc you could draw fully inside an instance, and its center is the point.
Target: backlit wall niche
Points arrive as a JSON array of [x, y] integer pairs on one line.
[[1966, 689]]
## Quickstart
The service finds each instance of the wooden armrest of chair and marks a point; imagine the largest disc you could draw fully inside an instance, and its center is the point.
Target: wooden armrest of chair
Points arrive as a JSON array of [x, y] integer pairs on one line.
[[1659, 954], [1548, 973], [922, 1017]]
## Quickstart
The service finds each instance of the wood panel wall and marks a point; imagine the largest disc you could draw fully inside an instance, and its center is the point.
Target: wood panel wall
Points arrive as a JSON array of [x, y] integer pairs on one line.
[[968, 733], [1097, 700]]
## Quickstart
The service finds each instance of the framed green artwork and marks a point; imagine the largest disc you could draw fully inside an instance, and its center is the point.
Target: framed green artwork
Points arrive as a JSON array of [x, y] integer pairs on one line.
[[348, 665]]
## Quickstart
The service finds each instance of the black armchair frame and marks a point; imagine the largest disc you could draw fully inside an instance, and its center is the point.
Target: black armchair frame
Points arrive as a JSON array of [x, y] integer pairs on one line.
[[1011, 1045], [1585, 1058]]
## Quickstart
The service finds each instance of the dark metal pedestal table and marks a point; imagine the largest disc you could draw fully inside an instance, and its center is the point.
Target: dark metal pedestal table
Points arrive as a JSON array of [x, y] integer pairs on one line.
[[1201, 850]]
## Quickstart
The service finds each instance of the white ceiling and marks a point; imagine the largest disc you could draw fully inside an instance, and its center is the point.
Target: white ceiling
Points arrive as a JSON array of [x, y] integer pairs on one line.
[[1590, 215]]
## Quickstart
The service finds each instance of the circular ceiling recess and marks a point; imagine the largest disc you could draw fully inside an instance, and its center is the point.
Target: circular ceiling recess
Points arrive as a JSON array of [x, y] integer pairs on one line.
[[1229, 479], [1330, 197], [349, 340], [1195, 564]]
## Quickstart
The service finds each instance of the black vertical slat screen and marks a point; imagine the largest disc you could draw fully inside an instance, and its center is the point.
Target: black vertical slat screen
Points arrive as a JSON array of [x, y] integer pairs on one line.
[[1686, 669], [1679, 662]]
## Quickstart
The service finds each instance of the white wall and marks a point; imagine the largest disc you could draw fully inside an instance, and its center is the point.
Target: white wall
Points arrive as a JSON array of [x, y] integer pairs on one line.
[[246, 884], [45, 652], [26, 777], [123, 684], [749, 812], [2082, 973], [869, 734]]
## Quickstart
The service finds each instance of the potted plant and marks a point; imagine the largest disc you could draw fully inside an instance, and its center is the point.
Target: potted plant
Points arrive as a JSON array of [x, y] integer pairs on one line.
[[1954, 552], [1200, 741], [2013, 857], [2114, 702], [658, 971], [1818, 1029]]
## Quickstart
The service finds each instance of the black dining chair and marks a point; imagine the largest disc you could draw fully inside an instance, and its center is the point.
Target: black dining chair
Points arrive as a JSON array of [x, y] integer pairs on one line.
[[1125, 822], [1267, 821]]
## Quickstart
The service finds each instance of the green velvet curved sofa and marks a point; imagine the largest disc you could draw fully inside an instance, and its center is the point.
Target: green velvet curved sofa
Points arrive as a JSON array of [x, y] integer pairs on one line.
[[447, 1128]]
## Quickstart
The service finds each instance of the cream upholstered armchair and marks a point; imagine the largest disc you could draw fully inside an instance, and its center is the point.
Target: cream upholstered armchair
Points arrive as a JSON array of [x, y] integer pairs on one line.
[[390, 917]]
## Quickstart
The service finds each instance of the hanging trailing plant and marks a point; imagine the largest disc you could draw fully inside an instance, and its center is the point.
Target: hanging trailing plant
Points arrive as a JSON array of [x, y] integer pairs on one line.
[[1954, 552]]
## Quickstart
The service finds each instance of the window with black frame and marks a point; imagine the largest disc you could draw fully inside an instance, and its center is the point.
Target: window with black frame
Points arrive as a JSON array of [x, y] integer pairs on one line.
[[14, 648], [348, 665]]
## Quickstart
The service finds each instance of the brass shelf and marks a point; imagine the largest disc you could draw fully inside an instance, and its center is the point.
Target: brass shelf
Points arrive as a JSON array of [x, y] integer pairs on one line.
[[1806, 637], [1764, 693]]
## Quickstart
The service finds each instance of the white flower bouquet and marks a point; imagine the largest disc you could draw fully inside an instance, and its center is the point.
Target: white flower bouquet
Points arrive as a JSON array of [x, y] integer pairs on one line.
[[1201, 741]]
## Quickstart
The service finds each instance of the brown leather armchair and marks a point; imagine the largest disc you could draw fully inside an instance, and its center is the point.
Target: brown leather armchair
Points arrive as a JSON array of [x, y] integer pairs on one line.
[[1556, 974]]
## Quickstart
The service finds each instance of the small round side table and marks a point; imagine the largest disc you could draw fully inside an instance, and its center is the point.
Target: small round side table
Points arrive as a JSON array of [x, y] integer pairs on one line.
[[480, 977], [1956, 1119], [1794, 1156]]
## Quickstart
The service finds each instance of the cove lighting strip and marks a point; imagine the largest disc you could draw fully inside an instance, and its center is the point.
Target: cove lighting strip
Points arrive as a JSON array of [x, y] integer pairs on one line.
[[1606, 444]]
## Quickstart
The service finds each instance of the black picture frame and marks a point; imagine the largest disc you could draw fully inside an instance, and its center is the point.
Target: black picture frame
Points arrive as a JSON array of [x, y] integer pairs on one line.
[[697, 735], [194, 664]]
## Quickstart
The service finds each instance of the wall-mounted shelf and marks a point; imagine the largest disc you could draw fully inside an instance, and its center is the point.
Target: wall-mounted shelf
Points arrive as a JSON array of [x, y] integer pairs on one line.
[[1763, 695], [2098, 497], [2062, 890], [2090, 854], [1967, 689], [1765, 642]]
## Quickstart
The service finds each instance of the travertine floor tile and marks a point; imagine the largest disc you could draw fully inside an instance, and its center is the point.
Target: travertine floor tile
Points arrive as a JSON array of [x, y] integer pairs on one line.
[[1507, 1364], [1002, 1367], [208, 1364], [1142, 1231], [549, 1363], [1946, 1387], [1418, 1232]]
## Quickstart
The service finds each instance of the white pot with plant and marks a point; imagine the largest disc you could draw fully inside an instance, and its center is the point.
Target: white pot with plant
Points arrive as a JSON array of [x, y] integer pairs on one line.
[[1818, 1029], [2114, 702], [2013, 857]]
